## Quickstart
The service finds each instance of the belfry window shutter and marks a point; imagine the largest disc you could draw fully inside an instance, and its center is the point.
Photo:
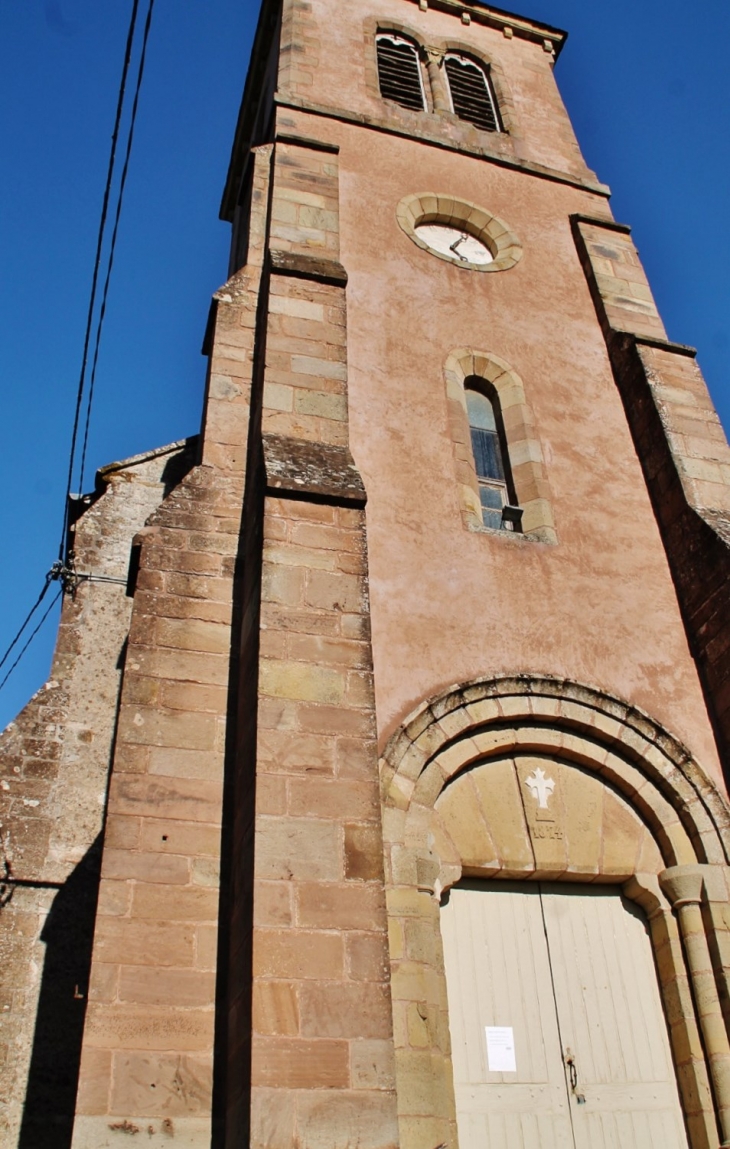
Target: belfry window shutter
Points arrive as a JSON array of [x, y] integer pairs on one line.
[[472, 97], [399, 72]]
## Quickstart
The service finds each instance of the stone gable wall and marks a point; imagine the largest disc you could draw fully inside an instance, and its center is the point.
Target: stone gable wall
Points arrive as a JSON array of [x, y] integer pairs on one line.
[[54, 761]]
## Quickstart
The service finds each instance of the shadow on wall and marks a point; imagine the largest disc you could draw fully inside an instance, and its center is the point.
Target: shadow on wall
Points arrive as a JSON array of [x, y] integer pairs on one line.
[[234, 1007], [68, 933], [180, 464]]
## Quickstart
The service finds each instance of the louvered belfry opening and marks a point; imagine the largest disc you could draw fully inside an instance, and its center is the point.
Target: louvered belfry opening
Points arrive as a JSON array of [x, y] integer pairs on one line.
[[399, 72], [472, 97]]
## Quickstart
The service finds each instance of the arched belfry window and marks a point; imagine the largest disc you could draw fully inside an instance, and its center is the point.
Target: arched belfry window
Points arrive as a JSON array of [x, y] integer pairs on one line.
[[399, 71], [490, 457], [471, 91]]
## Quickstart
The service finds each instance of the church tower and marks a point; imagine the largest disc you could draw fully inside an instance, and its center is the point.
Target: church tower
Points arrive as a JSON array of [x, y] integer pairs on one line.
[[416, 830]]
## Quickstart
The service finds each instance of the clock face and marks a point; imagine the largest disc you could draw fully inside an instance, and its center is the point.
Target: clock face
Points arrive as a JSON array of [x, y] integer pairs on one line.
[[454, 243]]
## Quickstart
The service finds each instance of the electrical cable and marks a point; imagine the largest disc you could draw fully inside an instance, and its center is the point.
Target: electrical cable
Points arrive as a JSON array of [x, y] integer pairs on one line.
[[34, 633], [29, 616], [97, 262], [59, 569], [113, 243], [68, 578]]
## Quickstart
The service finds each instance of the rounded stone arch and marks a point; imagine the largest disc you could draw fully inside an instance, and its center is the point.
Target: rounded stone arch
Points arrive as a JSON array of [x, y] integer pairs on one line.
[[628, 805], [523, 444]]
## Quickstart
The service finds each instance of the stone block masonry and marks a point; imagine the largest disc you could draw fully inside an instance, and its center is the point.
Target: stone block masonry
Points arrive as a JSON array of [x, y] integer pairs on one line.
[[231, 960], [682, 448], [241, 905], [147, 1059], [54, 761], [148, 1038], [318, 1065], [322, 1025]]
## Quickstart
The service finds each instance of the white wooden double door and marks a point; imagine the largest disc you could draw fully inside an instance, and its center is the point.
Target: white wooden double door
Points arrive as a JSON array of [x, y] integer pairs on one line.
[[571, 973]]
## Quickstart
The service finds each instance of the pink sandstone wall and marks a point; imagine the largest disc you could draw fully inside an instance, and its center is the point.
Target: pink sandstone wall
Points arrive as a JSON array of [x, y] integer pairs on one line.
[[449, 605], [600, 606], [54, 770], [334, 68]]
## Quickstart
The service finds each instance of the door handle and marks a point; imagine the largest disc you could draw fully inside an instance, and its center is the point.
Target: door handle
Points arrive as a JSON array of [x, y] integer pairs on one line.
[[573, 1077]]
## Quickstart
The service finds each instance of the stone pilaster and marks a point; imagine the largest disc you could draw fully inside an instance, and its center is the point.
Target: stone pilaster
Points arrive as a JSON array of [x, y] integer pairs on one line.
[[308, 827], [681, 446], [147, 1058]]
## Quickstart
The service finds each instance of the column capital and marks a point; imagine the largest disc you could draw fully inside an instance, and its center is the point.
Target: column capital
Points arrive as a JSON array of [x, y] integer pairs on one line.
[[433, 53], [683, 885]]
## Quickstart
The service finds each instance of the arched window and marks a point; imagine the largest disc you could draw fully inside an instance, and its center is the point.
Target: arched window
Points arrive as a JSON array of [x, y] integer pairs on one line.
[[472, 95], [399, 71], [490, 459]]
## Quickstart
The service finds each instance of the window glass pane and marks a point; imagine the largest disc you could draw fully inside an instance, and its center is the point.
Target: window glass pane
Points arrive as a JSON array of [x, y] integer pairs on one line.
[[489, 463], [493, 520], [492, 498], [480, 411], [487, 454]]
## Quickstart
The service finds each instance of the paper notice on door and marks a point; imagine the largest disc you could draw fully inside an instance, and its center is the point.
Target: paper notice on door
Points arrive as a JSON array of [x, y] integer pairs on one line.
[[501, 1049]]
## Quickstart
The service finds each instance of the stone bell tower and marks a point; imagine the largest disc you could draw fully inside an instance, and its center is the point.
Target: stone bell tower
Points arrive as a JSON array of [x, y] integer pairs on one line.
[[423, 709]]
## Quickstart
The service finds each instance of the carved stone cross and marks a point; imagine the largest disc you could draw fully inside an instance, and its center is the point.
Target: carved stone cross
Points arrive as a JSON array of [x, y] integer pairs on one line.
[[540, 787]]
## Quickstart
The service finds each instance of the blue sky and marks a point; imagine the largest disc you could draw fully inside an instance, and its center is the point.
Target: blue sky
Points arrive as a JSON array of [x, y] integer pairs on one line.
[[647, 85]]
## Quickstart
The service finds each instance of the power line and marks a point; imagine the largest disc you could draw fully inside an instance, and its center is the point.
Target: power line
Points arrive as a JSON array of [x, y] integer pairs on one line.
[[34, 632], [113, 244], [97, 263], [28, 617], [59, 571]]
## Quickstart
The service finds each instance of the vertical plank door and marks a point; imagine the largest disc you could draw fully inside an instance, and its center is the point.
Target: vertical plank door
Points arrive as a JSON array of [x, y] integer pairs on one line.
[[611, 1019], [498, 974]]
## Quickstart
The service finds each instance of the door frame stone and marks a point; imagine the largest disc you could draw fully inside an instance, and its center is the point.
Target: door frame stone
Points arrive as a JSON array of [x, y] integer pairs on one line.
[[666, 843]]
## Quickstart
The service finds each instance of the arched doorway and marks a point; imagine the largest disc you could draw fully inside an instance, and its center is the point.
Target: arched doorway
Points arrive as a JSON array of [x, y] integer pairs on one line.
[[525, 781]]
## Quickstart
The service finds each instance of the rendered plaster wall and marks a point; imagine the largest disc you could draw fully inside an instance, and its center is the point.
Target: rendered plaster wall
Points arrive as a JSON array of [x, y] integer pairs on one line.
[[328, 61], [54, 760], [449, 604]]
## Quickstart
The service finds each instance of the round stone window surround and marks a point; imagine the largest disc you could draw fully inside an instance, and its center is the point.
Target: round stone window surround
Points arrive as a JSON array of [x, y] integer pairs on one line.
[[435, 207]]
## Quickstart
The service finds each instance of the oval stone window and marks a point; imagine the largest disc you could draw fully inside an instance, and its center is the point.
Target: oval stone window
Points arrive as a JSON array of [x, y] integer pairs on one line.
[[458, 231]]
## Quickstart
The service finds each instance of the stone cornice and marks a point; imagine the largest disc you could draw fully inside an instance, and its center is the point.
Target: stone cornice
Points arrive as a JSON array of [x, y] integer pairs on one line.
[[438, 141], [493, 17]]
